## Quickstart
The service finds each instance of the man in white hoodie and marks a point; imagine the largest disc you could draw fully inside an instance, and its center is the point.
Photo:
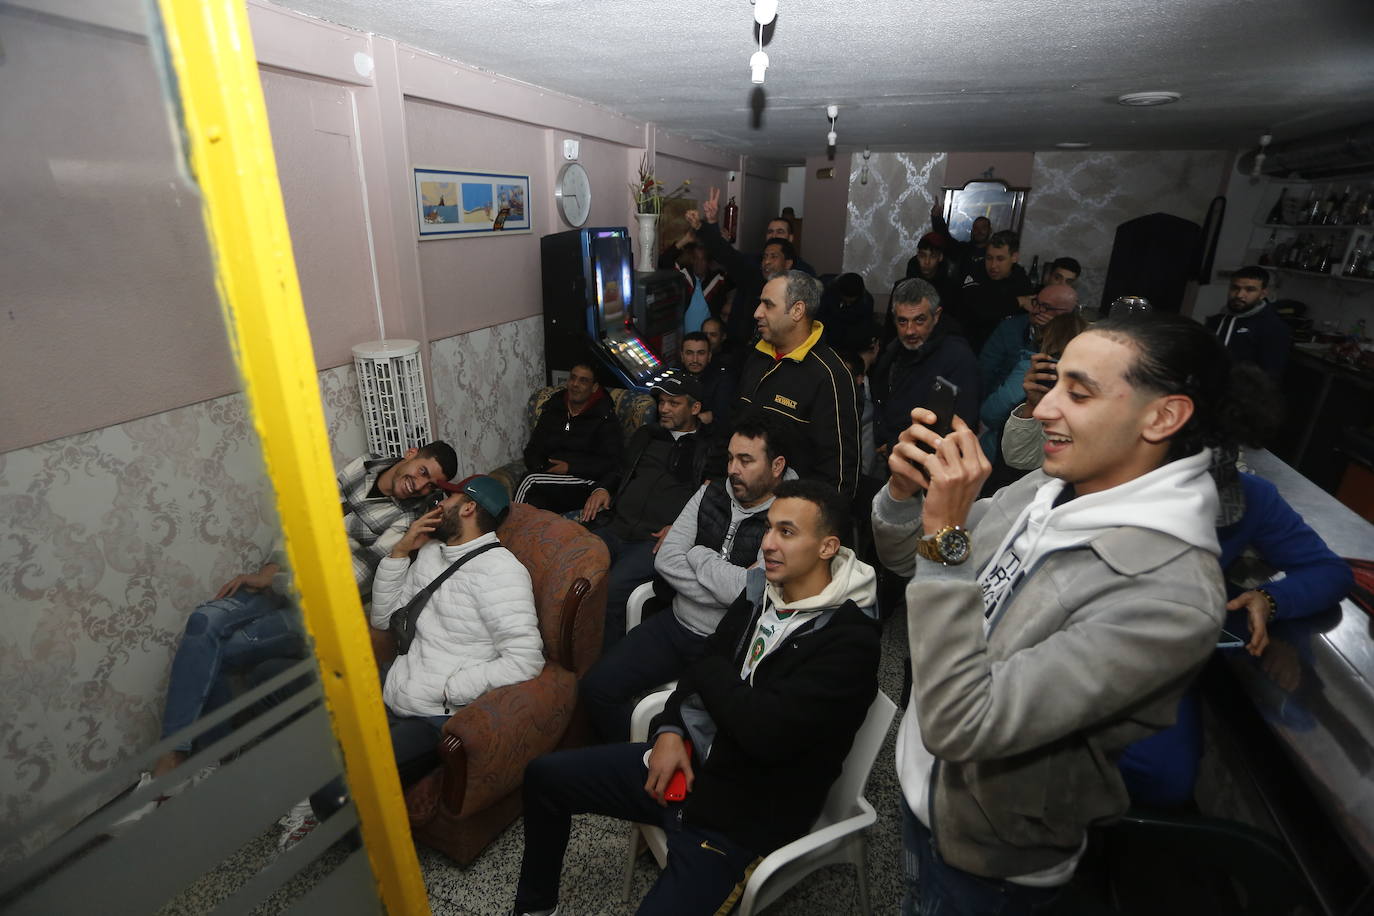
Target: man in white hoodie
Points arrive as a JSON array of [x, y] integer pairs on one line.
[[770, 710], [703, 560], [1057, 622]]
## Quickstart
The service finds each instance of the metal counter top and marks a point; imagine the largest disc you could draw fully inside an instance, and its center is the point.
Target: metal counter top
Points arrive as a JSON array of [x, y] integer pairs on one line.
[[1314, 685]]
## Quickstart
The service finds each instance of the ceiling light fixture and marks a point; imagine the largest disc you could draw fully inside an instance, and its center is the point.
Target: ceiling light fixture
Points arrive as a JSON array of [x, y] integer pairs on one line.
[[832, 112], [863, 172], [1148, 99], [758, 63], [1264, 141], [1073, 144]]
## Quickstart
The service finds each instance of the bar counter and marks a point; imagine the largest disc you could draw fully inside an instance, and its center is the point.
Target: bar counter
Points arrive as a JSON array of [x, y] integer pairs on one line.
[[1314, 685]]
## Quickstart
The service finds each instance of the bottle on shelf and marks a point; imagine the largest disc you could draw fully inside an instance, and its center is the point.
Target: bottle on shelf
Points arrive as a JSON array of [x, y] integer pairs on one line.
[[1310, 208], [1324, 261], [1329, 206], [1034, 273], [1356, 262], [1364, 210], [1275, 217], [1266, 257]]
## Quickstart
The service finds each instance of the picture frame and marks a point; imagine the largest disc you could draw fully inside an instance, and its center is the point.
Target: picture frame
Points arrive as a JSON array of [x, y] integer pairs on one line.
[[466, 202]]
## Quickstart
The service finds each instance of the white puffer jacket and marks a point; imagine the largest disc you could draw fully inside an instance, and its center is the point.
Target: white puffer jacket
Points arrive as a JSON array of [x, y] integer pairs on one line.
[[478, 631]]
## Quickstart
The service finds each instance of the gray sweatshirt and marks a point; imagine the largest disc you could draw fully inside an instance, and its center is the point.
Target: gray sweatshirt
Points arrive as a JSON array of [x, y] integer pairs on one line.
[[706, 583]]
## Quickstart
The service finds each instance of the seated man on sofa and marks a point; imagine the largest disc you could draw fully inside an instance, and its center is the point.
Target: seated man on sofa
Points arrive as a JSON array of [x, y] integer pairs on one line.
[[770, 710], [575, 441], [250, 619], [663, 466], [704, 559], [469, 606]]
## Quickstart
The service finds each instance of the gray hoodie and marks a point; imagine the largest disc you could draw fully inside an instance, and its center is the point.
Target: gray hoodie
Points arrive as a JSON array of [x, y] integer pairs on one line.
[[706, 583]]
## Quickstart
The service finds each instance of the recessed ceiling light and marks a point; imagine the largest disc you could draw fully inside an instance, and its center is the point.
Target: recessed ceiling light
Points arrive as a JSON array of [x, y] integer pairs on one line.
[[1073, 144], [1146, 99]]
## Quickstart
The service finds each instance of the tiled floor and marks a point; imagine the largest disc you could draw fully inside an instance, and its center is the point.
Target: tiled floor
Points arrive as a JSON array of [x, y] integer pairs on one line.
[[594, 869]]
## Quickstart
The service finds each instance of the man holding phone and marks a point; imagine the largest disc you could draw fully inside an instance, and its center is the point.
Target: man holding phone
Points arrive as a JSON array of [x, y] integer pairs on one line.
[[1059, 621], [904, 375], [771, 710]]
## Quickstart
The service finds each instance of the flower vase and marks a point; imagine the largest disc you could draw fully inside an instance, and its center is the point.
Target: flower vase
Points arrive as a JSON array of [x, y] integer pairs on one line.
[[648, 241]]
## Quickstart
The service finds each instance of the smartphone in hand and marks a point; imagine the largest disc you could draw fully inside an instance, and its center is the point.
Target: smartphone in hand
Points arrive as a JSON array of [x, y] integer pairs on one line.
[[941, 402]]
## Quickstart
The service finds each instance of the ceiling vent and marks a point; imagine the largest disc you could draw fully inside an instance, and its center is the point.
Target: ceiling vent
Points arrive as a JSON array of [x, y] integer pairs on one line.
[[1332, 154]]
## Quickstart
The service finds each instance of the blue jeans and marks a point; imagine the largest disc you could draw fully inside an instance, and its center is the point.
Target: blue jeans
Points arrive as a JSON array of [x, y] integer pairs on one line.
[[936, 888], [657, 650], [703, 865], [223, 635], [632, 564]]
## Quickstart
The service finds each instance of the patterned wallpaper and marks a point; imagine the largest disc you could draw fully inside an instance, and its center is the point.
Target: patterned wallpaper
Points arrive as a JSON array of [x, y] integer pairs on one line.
[[482, 381], [888, 216], [1077, 200], [113, 536]]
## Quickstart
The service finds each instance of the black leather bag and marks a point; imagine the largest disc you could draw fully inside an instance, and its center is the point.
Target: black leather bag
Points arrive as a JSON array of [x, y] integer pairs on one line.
[[403, 621]]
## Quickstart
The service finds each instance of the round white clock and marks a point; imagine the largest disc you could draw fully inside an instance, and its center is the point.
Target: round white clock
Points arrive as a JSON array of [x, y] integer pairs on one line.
[[573, 191]]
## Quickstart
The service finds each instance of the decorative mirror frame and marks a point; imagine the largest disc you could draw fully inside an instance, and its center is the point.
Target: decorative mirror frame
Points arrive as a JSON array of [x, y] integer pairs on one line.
[[1004, 205]]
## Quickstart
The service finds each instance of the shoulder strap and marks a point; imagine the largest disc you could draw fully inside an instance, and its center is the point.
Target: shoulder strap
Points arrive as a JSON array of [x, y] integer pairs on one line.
[[403, 621]]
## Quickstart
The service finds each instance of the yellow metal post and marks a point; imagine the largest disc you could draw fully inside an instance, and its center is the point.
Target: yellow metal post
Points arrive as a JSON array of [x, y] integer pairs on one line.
[[230, 150]]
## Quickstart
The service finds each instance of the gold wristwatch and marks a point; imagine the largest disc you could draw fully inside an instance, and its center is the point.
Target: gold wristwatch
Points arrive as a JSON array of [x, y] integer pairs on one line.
[[949, 545]]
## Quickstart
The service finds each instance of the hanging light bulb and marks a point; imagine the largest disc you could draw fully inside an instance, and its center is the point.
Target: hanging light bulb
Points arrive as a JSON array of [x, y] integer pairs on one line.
[[757, 64], [765, 11], [863, 172], [1264, 141], [832, 112]]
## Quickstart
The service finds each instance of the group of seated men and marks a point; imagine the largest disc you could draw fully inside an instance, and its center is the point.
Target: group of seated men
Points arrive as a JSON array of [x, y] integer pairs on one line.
[[1054, 625]]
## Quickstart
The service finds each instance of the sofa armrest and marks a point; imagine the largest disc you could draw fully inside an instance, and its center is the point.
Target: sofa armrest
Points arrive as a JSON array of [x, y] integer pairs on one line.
[[486, 744]]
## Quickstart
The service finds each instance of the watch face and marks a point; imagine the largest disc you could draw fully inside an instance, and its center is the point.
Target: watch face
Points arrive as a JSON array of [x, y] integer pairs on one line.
[[954, 546], [573, 191]]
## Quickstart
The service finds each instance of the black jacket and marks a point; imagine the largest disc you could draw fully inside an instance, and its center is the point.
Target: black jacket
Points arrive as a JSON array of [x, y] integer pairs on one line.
[[655, 480], [744, 271], [589, 441], [982, 303], [901, 379], [782, 740], [1262, 338], [812, 388]]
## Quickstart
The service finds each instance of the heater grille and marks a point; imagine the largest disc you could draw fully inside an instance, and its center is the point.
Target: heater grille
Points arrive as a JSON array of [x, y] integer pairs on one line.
[[391, 387]]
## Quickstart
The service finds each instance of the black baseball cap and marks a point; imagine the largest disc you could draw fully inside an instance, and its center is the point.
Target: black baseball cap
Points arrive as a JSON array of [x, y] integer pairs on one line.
[[678, 383]]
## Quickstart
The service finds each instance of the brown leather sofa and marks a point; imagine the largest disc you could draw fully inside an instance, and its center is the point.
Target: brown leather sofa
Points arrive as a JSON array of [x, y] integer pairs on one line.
[[475, 794]]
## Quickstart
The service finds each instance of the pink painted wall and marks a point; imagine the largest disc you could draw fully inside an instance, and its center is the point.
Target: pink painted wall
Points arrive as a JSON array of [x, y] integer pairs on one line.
[[760, 204], [1013, 168], [827, 203], [315, 140], [107, 306]]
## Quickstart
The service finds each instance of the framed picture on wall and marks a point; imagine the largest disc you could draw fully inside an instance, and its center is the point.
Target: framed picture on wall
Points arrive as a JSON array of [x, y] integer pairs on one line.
[[451, 202], [1003, 206]]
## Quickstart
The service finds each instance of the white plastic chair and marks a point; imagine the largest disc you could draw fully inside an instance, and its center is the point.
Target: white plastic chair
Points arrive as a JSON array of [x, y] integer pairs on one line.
[[836, 837], [634, 607]]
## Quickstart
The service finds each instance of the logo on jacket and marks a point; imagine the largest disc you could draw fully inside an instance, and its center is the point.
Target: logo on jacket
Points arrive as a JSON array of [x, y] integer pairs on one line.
[[785, 402]]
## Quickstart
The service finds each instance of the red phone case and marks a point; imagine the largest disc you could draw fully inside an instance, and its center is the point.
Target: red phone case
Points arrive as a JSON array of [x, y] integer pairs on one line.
[[677, 786]]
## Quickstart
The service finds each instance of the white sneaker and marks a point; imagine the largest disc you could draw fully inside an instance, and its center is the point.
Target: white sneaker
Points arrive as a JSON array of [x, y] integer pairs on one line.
[[296, 825], [145, 779]]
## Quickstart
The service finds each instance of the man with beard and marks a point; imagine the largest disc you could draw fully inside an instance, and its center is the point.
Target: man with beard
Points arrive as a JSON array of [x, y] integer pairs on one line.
[[476, 631], [1251, 327], [704, 560], [905, 373]]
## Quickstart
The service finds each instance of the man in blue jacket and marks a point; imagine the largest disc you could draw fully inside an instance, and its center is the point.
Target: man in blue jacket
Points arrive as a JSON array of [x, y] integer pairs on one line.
[[1251, 327]]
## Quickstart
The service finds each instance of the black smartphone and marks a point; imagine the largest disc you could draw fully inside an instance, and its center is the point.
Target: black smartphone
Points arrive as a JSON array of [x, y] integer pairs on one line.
[[941, 402]]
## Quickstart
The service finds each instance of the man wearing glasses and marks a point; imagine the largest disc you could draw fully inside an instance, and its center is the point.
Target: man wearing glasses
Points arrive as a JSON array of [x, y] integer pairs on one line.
[[1002, 352]]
